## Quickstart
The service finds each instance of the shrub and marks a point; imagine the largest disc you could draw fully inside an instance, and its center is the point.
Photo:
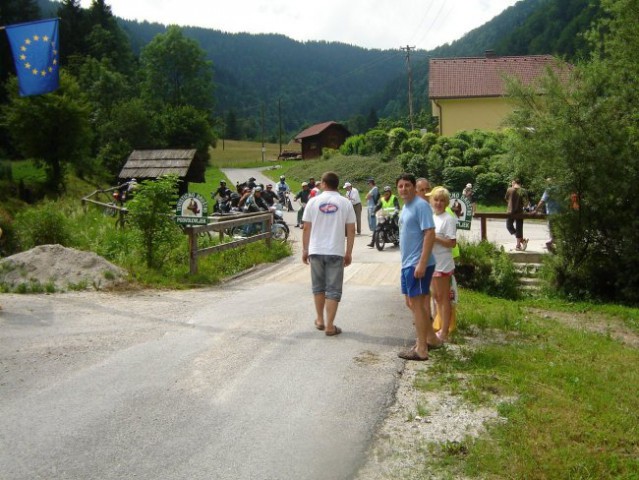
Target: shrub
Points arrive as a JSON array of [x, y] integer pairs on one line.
[[490, 186], [412, 145], [376, 140], [44, 224], [456, 178], [353, 145], [485, 267]]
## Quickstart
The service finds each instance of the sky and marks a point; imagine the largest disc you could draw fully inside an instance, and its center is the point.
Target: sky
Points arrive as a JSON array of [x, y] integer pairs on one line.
[[382, 24]]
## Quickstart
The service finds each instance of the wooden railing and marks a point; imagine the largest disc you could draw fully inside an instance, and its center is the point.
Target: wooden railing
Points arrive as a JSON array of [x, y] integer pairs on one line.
[[483, 216], [223, 224]]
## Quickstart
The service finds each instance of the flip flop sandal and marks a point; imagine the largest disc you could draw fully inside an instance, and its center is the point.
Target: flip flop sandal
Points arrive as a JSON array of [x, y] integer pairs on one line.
[[411, 355], [319, 326], [336, 331]]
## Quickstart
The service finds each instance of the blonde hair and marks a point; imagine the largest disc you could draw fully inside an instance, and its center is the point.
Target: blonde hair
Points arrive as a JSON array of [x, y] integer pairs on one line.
[[440, 192]]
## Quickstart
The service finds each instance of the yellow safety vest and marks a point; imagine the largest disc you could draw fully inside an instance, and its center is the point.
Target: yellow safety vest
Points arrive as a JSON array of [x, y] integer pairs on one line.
[[388, 205]]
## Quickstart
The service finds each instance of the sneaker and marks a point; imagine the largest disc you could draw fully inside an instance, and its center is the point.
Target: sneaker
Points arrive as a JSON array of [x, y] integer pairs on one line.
[[519, 249], [370, 244], [524, 244]]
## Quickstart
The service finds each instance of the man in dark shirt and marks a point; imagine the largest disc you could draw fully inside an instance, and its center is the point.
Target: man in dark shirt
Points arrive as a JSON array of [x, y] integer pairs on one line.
[[303, 196], [269, 195]]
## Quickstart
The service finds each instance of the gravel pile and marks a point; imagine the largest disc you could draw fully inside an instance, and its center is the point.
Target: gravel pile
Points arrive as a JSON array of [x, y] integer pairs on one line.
[[61, 268]]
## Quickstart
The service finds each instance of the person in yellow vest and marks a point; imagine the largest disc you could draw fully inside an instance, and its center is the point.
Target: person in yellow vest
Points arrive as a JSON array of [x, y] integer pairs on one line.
[[389, 205]]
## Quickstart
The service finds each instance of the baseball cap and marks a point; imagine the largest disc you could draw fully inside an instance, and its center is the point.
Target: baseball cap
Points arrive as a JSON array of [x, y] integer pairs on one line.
[[304, 184], [258, 189], [347, 185], [469, 185], [387, 189]]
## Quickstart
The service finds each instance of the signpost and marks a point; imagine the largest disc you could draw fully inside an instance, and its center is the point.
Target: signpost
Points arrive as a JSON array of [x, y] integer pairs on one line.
[[191, 209], [462, 209]]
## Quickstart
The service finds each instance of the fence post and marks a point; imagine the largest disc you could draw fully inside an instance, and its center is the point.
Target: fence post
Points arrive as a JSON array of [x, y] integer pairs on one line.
[[192, 251]]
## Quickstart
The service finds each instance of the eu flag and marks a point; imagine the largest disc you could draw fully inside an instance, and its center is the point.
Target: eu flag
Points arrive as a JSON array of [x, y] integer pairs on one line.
[[36, 55]]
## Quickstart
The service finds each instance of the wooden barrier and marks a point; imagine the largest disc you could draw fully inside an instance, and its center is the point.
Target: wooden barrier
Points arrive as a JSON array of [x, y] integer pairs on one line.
[[222, 224], [483, 216]]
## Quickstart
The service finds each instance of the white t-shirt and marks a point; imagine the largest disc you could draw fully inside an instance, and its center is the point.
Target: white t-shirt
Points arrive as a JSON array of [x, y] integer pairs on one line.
[[446, 227], [329, 213]]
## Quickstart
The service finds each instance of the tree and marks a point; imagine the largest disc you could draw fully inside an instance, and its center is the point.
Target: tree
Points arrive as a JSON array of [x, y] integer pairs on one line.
[[151, 216], [176, 72], [53, 129], [583, 133]]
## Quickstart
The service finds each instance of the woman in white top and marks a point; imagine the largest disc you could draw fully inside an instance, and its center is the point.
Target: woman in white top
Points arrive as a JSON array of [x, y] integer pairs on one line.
[[445, 241]]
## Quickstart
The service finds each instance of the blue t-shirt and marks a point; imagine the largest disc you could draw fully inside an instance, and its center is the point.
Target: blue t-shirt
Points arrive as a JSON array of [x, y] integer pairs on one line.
[[415, 217]]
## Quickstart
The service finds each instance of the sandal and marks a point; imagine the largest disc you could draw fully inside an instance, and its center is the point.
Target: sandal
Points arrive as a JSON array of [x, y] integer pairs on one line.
[[411, 354], [336, 331], [319, 326]]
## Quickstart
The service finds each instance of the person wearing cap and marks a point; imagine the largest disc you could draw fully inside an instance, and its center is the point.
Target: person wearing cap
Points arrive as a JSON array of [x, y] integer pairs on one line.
[[468, 193], [303, 196], [282, 191], [269, 195], [326, 217], [223, 192], [372, 197], [353, 196], [389, 205], [416, 238]]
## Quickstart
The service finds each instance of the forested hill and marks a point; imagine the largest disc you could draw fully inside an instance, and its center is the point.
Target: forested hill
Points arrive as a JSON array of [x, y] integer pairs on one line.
[[311, 82]]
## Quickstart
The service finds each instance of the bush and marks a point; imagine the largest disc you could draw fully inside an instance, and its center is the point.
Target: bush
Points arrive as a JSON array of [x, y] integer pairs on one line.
[[486, 268], [354, 145], [376, 140], [490, 187], [456, 178], [45, 224]]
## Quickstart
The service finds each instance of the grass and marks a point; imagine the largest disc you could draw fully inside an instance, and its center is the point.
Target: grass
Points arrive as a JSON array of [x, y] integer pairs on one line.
[[244, 154], [568, 394]]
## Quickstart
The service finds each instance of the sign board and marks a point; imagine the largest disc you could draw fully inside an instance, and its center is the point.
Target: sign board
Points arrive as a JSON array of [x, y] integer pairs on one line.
[[462, 209], [192, 209]]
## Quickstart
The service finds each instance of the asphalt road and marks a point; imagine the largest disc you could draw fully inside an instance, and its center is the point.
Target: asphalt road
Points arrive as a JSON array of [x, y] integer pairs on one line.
[[231, 382]]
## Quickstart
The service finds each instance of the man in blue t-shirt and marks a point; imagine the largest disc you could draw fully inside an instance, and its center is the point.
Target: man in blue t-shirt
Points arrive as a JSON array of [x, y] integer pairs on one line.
[[416, 238]]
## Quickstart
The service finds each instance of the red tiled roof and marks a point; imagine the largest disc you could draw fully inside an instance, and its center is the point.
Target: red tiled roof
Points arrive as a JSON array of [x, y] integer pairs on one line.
[[482, 76], [314, 130]]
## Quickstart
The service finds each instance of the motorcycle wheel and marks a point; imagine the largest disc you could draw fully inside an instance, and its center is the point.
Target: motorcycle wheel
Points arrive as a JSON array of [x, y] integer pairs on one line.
[[279, 232], [379, 240]]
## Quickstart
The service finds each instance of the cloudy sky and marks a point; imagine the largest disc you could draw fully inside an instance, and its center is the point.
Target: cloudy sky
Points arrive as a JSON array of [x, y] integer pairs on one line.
[[383, 24]]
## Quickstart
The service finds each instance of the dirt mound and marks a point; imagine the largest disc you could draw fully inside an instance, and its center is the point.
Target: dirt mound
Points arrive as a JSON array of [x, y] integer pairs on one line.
[[60, 267]]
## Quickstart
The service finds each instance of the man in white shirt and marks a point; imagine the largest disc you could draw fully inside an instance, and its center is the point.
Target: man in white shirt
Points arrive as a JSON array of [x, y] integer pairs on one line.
[[353, 196], [326, 217]]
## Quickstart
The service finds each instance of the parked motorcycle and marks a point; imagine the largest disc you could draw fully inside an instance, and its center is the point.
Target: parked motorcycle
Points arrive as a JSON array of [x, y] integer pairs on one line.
[[387, 230], [279, 229]]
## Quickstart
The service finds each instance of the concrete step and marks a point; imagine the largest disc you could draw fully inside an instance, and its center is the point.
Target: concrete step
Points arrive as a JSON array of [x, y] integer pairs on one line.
[[526, 257]]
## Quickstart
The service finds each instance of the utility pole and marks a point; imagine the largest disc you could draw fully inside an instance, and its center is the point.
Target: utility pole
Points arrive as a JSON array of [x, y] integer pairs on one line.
[[410, 85], [263, 148], [279, 114]]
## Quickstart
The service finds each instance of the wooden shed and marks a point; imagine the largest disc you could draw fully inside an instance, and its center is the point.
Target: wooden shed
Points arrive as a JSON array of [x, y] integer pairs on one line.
[[322, 135], [151, 164]]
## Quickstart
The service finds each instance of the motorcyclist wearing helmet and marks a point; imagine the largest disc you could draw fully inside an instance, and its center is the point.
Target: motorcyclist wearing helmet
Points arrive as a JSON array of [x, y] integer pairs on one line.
[[282, 190], [223, 192], [269, 194], [251, 183], [388, 202]]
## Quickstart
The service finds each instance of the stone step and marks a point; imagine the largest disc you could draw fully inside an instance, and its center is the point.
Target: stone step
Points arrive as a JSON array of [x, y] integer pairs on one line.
[[526, 257]]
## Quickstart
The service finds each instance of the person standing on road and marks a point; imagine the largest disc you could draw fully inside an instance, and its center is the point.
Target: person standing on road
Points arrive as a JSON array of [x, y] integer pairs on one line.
[[515, 198], [445, 241], [353, 196], [372, 197], [303, 196], [552, 207], [416, 238], [326, 217]]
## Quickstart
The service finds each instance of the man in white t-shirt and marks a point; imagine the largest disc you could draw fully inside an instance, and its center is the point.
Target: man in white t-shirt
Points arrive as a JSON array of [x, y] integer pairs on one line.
[[326, 217], [353, 196]]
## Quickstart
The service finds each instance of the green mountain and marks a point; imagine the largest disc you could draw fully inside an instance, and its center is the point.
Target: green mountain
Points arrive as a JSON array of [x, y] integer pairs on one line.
[[307, 82]]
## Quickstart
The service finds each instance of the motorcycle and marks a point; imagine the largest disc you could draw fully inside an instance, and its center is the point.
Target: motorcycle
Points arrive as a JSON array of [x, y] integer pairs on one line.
[[285, 199], [387, 230], [279, 229]]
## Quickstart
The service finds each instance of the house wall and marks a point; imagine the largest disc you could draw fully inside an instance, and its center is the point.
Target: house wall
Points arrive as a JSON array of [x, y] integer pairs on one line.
[[333, 137], [471, 113]]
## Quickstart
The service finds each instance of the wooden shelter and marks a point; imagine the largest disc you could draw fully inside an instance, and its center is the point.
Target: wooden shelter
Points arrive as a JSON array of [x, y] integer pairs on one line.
[[322, 135], [151, 164]]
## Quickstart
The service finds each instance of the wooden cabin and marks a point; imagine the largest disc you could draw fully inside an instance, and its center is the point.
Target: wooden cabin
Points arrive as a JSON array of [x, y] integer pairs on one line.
[[322, 135]]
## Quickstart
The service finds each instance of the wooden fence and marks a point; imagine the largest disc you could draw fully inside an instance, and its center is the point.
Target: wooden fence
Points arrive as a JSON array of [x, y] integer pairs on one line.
[[223, 225], [483, 216]]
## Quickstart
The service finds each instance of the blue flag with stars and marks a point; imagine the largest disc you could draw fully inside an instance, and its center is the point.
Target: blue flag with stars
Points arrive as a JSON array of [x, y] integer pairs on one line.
[[36, 55]]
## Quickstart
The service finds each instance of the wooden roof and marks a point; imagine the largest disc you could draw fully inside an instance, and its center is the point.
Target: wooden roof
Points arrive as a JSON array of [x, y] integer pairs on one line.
[[155, 163], [317, 129], [483, 76]]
